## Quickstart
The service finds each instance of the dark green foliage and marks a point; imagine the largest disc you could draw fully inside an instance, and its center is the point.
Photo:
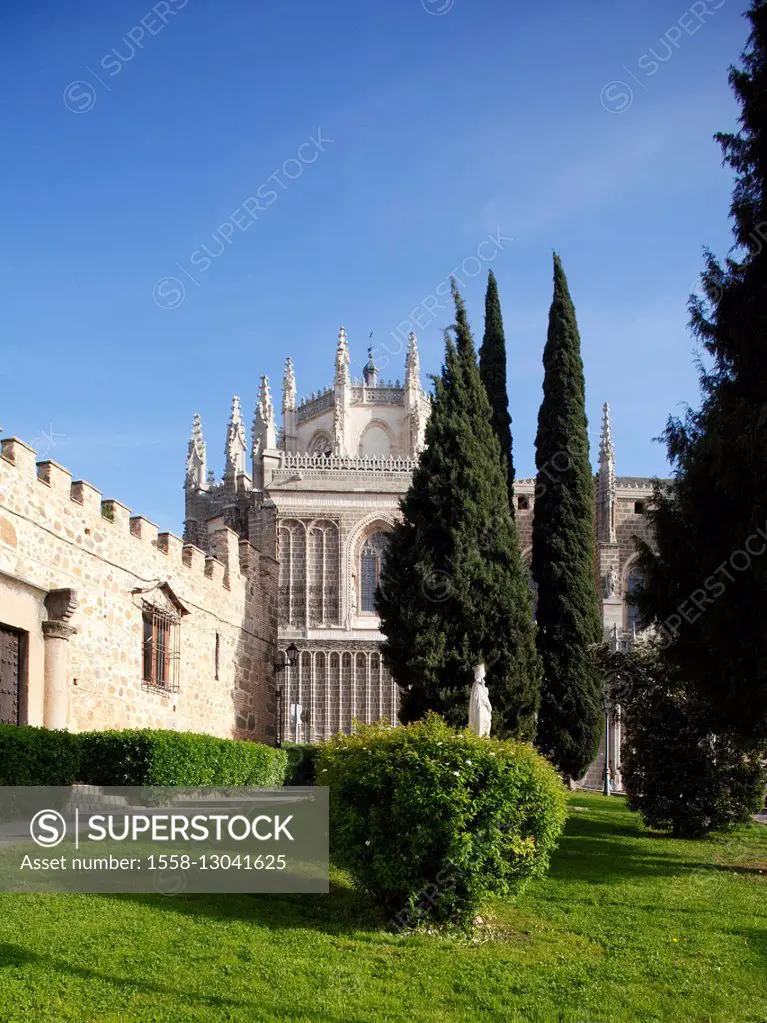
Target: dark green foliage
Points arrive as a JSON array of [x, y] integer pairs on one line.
[[432, 822], [712, 608], [570, 720], [37, 756], [453, 589], [155, 757], [301, 763], [680, 773], [492, 369]]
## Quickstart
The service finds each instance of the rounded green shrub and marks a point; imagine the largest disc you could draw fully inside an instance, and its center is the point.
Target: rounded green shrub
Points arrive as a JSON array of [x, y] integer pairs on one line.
[[433, 821]]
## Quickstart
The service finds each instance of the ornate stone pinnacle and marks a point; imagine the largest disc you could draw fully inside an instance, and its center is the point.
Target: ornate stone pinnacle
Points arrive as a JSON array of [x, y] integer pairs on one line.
[[412, 363], [235, 441], [288, 387], [196, 472], [342, 359], [263, 432], [606, 449], [606, 488]]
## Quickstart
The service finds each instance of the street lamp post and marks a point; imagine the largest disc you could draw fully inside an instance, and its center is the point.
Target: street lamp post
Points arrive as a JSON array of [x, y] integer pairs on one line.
[[288, 661]]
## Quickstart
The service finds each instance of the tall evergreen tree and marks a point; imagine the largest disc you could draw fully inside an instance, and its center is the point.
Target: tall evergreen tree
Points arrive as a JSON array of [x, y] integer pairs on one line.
[[707, 585], [492, 368], [453, 588], [569, 724]]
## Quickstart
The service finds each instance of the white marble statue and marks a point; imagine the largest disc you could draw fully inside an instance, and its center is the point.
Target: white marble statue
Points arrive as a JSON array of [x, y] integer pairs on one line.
[[480, 711], [295, 713]]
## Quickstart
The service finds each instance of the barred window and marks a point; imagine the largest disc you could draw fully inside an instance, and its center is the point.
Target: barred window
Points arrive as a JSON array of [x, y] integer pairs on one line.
[[161, 652]]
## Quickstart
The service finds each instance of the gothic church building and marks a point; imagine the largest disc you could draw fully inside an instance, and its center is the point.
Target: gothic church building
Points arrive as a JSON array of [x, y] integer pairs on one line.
[[320, 495]]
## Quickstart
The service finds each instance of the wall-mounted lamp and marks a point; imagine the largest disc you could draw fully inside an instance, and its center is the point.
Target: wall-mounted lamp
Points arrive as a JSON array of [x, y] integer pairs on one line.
[[290, 660]]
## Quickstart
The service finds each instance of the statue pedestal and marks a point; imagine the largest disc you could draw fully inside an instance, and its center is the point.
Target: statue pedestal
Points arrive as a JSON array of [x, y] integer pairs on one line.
[[612, 615]]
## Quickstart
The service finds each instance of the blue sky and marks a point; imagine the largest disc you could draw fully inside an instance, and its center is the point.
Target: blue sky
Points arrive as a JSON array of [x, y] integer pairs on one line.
[[132, 132]]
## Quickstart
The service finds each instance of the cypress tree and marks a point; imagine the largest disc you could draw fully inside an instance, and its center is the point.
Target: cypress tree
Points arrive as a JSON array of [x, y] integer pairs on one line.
[[570, 720], [492, 368], [706, 585], [453, 589]]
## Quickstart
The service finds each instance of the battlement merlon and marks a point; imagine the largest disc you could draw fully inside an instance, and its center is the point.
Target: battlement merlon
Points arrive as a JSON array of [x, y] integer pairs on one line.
[[76, 513]]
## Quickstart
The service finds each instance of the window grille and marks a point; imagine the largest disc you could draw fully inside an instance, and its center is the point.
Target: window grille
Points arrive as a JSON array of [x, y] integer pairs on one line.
[[161, 649]]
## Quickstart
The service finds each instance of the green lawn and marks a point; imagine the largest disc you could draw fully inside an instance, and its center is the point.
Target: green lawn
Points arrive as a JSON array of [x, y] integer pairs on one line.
[[627, 927]]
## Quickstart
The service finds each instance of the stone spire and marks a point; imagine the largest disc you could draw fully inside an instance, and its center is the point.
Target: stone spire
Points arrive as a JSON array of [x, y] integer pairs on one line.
[[606, 489], [288, 387], [196, 462], [264, 433], [412, 364], [342, 396], [416, 409], [236, 445], [342, 360]]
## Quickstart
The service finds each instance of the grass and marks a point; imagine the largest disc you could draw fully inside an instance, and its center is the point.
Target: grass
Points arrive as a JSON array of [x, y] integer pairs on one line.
[[627, 926]]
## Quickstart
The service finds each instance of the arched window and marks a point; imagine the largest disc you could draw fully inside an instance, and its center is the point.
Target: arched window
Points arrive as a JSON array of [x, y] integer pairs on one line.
[[633, 583], [320, 444], [371, 559], [375, 440]]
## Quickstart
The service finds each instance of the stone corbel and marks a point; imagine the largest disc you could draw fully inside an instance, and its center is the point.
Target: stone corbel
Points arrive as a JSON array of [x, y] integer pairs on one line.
[[61, 605]]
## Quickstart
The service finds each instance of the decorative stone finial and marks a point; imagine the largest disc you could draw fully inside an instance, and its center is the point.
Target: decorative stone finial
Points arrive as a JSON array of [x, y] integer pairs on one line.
[[412, 364], [236, 445], [264, 432], [196, 471], [288, 387], [342, 360]]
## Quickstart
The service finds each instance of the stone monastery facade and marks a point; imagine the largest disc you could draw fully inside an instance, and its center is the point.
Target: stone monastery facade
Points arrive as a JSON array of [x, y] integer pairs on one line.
[[319, 496]]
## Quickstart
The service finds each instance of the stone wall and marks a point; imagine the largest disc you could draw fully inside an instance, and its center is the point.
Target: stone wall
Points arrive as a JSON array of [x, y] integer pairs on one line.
[[76, 575]]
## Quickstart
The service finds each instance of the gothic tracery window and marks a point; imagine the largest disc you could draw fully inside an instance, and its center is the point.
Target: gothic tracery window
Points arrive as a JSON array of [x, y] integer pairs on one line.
[[320, 444], [371, 559]]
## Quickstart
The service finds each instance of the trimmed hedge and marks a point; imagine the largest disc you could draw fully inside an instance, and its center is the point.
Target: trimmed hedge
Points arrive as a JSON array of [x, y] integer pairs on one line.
[[432, 821], [302, 759], [149, 756], [37, 756]]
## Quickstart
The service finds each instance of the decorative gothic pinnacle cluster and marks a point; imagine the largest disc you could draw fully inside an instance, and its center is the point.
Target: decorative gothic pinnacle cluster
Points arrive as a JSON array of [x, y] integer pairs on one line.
[[264, 436]]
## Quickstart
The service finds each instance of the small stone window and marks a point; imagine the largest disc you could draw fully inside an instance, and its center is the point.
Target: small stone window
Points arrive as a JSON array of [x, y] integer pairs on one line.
[[160, 649], [639, 507], [217, 655], [523, 502]]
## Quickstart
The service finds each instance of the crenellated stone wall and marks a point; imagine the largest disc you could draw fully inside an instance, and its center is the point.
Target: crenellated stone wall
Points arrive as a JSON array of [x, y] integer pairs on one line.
[[77, 574]]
